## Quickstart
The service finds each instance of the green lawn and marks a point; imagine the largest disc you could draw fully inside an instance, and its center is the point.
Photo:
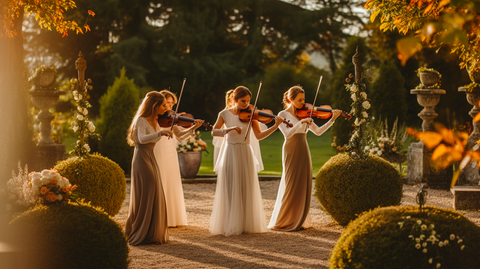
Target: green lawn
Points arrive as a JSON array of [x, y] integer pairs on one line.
[[271, 147]]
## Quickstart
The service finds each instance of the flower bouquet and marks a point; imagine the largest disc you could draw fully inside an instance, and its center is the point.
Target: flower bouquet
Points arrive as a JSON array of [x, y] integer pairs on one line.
[[193, 143], [28, 189], [50, 187]]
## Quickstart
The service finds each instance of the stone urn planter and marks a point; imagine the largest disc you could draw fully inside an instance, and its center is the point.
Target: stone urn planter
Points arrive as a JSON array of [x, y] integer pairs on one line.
[[428, 98], [189, 163], [429, 79]]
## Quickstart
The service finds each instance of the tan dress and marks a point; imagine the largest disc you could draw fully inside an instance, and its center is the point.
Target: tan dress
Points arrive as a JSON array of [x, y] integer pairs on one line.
[[293, 199], [147, 213]]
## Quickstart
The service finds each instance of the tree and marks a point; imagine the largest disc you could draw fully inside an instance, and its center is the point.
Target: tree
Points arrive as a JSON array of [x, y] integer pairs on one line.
[[435, 22], [388, 94], [215, 44], [117, 107], [16, 142]]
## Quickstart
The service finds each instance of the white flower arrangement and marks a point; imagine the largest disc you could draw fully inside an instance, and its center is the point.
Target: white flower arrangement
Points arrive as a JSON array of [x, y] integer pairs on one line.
[[425, 238], [80, 123], [384, 142], [192, 143], [28, 189]]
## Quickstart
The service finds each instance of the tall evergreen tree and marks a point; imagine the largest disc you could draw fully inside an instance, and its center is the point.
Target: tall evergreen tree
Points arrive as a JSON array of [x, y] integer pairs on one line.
[[388, 94], [117, 107]]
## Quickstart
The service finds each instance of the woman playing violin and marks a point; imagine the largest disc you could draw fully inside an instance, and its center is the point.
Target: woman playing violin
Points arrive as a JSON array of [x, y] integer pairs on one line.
[[166, 154], [292, 206], [238, 205]]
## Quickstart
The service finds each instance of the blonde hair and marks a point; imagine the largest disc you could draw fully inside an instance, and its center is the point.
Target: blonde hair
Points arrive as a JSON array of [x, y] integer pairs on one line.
[[169, 94], [228, 99], [291, 94], [146, 109]]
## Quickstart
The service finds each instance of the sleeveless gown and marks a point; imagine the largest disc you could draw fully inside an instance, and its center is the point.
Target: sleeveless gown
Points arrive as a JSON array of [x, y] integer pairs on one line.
[[238, 204], [292, 206], [167, 159], [147, 215]]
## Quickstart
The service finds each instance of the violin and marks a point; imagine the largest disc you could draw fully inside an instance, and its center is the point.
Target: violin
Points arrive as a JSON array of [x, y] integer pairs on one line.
[[262, 115], [185, 120], [322, 112]]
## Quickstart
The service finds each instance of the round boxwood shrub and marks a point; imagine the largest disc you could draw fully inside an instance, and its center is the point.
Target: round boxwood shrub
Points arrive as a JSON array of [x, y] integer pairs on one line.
[[70, 236], [99, 180], [401, 237], [346, 187]]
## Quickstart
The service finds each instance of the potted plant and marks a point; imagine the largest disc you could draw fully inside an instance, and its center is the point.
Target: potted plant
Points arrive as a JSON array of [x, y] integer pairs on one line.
[[429, 78], [190, 155]]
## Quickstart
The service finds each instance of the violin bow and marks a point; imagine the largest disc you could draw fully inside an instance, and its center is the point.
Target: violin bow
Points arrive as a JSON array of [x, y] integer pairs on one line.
[[314, 100], [178, 104], [253, 111]]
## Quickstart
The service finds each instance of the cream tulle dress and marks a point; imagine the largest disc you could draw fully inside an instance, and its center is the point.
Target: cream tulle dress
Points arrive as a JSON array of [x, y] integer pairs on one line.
[[219, 141], [291, 211], [167, 159], [238, 204]]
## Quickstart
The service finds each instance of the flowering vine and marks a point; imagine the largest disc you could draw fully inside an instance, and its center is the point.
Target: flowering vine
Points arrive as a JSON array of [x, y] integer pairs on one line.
[[80, 122], [360, 105]]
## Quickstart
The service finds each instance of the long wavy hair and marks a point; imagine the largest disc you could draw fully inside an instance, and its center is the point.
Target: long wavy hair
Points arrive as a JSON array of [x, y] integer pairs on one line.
[[147, 109]]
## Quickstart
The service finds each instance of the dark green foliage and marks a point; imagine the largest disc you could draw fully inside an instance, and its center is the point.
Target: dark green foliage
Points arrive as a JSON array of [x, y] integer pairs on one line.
[[339, 97], [117, 107], [346, 187], [388, 98], [70, 236], [278, 79], [215, 44], [377, 240], [99, 180]]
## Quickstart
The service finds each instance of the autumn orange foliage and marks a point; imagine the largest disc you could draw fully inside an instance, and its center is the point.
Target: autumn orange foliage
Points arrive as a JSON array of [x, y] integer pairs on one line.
[[450, 147]]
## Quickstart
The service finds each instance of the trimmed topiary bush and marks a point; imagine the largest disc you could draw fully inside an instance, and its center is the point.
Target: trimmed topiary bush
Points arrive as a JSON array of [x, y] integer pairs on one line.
[[117, 108], [401, 237], [346, 187], [99, 180], [70, 236]]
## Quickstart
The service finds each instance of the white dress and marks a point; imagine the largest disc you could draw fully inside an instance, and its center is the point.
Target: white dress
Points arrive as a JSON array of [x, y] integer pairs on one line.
[[166, 154], [238, 204], [219, 141]]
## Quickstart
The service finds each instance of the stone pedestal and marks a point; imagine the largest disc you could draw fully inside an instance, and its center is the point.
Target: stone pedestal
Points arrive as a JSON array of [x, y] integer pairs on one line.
[[470, 175], [466, 197], [44, 96], [420, 169], [46, 156]]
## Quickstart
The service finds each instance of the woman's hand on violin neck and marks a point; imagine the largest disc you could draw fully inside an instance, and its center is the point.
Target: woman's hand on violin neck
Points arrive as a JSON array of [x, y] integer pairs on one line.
[[167, 133], [278, 121], [307, 121], [236, 128], [336, 113], [198, 123]]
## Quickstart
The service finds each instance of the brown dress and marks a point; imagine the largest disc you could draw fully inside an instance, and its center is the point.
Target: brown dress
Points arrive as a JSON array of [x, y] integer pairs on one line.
[[147, 213], [293, 199]]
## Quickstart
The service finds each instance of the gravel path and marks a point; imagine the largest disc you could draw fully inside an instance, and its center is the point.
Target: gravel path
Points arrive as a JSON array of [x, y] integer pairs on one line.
[[193, 246]]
